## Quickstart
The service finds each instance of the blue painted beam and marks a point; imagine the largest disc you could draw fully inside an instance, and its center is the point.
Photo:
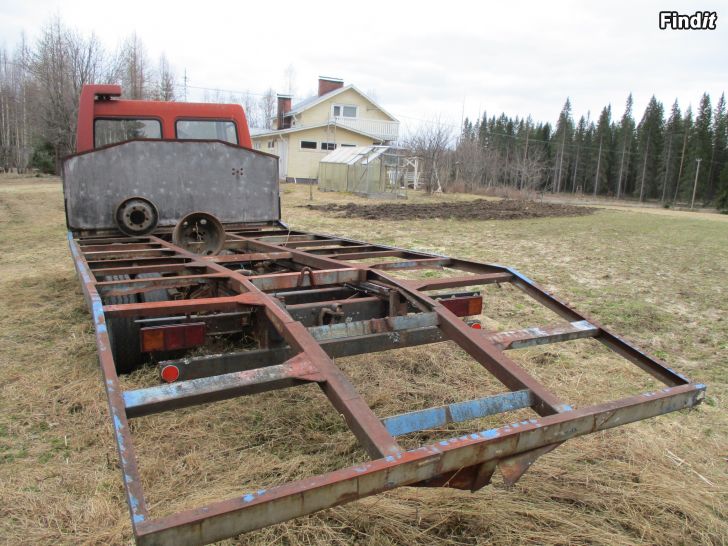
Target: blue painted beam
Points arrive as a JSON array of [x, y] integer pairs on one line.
[[405, 423]]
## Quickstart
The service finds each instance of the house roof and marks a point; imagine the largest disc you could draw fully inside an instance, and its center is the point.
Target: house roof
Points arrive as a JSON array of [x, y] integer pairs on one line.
[[275, 132], [313, 101], [351, 156]]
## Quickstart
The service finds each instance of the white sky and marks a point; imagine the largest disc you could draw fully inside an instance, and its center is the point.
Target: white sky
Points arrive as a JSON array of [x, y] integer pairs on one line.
[[420, 60]]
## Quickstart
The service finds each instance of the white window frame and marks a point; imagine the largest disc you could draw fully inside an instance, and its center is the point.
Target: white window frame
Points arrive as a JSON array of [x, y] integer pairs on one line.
[[314, 149], [341, 109], [327, 146]]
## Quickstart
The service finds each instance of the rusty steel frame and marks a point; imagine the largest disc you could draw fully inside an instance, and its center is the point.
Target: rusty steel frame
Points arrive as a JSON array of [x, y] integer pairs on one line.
[[316, 272]]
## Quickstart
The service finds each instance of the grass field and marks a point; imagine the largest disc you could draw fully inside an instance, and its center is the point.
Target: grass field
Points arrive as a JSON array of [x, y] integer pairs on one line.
[[658, 277]]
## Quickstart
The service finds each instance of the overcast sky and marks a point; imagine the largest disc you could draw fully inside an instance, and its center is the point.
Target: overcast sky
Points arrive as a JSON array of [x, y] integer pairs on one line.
[[420, 60]]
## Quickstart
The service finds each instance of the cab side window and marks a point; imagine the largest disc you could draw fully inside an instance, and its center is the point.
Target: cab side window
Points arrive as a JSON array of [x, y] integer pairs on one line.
[[112, 130], [188, 129]]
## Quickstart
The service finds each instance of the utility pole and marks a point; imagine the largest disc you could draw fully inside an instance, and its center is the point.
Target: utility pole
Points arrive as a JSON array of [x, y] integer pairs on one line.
[[695, 184], [185, 84]]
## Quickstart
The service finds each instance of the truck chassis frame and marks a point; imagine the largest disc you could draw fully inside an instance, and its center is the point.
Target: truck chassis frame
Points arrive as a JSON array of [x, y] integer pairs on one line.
[[390, 313]]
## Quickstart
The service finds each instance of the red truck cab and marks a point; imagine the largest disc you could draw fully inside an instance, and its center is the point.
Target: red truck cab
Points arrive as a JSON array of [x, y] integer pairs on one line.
[[104, 119]]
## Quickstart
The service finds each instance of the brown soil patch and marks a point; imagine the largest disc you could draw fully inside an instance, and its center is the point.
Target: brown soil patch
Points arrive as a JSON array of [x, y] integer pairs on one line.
[[480, 209]]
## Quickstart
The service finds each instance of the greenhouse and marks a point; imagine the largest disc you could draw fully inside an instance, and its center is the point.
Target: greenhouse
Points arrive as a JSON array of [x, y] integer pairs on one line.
[[382, 171]]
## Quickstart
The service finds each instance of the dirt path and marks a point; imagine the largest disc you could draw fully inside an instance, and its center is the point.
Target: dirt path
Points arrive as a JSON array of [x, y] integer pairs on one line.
[[479, 209]]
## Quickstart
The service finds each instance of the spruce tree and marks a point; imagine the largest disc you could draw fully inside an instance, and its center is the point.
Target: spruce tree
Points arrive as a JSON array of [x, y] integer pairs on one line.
[[671, 151], [625, 136], [561, 143], [580, 135], [700, 144], [687, 124], [603, 140], [719, 153], [650, 143]]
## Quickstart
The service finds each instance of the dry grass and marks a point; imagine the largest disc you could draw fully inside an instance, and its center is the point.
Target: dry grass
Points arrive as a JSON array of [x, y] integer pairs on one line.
[[661, 279]]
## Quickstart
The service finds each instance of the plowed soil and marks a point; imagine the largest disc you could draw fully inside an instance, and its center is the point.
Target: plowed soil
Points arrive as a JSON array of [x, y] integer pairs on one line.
[[480, 209]]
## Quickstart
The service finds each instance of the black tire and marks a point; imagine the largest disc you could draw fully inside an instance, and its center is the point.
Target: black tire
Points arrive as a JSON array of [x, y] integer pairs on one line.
[[154, 295], [124, 334]]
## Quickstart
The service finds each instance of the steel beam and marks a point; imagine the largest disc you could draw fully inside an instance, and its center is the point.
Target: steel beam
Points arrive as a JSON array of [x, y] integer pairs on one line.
[[249, 257], [127, 254], [423, 263], [296, 371], [185, 268], [138, 286], [415, 421], [282, 281], [459, 282], [528, 337], [163, 308]]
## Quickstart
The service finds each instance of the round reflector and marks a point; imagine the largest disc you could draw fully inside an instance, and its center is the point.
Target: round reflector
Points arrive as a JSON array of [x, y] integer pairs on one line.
[[170, 373]]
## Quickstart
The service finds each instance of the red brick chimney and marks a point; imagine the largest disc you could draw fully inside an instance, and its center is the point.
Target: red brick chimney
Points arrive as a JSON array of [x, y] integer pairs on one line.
[[327, 85], [284, 106]]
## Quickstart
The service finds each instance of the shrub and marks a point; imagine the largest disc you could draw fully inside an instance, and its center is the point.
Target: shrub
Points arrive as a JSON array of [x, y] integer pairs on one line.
[[43, 158]]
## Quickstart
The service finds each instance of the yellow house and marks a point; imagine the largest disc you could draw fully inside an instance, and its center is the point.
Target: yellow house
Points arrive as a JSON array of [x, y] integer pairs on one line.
[[339, 116]]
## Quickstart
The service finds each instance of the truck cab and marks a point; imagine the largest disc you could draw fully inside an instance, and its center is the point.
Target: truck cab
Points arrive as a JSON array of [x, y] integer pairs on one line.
[[105, 119], [161, 160]]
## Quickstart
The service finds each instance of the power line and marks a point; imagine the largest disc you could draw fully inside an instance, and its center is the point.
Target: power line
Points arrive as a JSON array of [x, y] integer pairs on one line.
[[218, 90]]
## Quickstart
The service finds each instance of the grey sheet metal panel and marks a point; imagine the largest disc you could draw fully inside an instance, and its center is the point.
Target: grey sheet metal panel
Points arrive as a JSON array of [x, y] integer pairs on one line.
[[235, 184]]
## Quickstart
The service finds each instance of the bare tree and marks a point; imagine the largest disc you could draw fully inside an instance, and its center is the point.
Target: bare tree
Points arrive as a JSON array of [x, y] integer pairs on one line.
[[530, 169], [250, 105], [470, 164], [16, 90], [289, 78], [430, 143], [133, 68], [268, 108], [61, 63], [166, 81]]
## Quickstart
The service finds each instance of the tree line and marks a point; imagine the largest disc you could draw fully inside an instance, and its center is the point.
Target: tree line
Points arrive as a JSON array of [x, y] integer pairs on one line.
[[669, 156], [40, 86]]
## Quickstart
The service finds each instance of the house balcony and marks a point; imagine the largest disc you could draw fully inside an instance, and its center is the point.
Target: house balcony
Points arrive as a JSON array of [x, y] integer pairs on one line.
[[383, 130]]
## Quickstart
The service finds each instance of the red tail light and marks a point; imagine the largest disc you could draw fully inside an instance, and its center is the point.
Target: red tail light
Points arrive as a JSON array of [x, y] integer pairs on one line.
[[173, 337]]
